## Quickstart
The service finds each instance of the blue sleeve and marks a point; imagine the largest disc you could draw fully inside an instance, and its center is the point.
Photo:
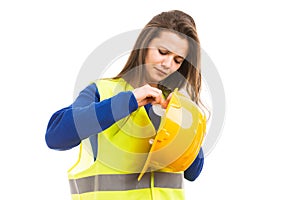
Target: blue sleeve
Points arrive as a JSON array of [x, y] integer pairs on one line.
[[195, 169], [87, 116]]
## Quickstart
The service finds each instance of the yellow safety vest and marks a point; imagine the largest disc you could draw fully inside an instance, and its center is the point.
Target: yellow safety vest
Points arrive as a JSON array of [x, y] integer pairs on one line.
[[122, 152]]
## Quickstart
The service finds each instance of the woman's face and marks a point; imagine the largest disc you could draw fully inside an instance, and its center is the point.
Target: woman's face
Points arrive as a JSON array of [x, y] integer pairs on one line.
[[164, 56]]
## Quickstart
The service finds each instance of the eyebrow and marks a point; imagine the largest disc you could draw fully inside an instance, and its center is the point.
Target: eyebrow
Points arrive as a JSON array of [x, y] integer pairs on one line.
[[181, 57]]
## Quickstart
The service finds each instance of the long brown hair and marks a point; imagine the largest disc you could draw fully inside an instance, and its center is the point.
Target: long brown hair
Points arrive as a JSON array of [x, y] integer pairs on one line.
[[189, 74]]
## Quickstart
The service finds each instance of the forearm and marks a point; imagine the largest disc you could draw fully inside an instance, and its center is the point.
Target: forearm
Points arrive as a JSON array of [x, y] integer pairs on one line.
[[195, 169]]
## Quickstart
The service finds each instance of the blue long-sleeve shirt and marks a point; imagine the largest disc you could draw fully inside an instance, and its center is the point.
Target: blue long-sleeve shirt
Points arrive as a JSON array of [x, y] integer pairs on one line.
[[88, 116]]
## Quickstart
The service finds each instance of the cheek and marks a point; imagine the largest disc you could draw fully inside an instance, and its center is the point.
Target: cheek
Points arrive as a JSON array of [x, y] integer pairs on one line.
[[153, 57], [175, 68]]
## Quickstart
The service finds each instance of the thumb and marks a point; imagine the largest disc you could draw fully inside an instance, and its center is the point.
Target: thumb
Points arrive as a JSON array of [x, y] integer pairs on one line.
[[165, 103]]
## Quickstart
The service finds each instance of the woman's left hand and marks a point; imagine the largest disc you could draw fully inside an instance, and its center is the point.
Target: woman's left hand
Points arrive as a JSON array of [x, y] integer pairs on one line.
[[164, 104]]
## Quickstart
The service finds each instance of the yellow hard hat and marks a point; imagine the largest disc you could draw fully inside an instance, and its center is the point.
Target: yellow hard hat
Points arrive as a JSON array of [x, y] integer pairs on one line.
[[179, 137]]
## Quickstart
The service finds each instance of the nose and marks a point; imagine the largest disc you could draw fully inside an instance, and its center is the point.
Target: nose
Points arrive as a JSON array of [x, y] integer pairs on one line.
[[167, 62]]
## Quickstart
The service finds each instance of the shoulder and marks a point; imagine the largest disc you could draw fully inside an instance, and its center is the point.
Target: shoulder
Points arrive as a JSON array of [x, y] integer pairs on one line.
[[109, 81], [108, 86]]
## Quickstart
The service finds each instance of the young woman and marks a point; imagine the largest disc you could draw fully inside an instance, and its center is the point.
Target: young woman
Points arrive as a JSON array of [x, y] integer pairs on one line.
[[113, 119]]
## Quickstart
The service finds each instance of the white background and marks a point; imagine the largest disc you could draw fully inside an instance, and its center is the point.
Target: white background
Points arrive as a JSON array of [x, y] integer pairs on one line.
[[254, 45]]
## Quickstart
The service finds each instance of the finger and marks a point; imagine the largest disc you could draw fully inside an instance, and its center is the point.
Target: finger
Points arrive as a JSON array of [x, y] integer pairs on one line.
[[155, 95], [159, 99], [166, 102], [155, 100], [169, 97]]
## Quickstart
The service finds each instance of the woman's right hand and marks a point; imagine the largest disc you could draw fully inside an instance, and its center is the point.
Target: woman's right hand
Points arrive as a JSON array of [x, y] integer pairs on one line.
[[147, 94]]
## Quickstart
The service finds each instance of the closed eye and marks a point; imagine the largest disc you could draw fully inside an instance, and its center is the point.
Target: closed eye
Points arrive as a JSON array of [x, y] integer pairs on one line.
[[177, 60], [163, 51]]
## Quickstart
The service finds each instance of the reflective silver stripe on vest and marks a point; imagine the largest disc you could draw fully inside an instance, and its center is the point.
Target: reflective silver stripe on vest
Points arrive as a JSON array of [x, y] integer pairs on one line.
[[122, 182]]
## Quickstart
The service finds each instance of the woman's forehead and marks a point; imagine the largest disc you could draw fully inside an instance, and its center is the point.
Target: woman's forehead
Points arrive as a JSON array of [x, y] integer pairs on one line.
[[172, 42]]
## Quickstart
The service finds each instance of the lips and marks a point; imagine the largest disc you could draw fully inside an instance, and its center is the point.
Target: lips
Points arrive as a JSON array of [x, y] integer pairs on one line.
[[160, 71]]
